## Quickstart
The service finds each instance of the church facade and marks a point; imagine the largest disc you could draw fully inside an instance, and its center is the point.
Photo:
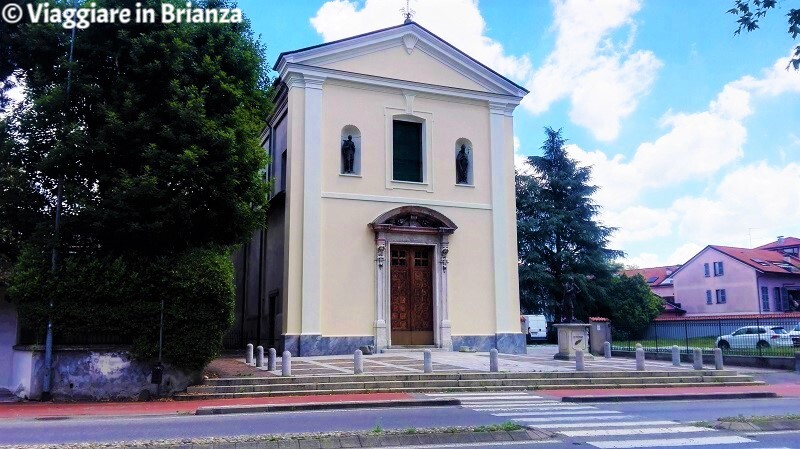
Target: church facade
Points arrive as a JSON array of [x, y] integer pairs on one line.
[[392, 215]]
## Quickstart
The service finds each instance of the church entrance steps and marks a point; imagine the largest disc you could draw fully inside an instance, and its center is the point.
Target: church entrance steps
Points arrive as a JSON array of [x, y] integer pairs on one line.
[[466, 382], [407, 349]]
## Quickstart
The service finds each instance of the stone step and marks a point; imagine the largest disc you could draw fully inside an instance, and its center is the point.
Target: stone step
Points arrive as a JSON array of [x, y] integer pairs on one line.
[[492, 388], [356, 383], [275, 380]]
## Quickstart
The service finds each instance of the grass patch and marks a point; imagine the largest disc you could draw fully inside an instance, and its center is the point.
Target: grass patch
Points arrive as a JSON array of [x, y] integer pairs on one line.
[[759, 419], [507, 426]]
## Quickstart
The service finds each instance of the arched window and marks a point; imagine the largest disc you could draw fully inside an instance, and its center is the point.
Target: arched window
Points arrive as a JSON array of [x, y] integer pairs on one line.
[[463, 162], [350, 151]]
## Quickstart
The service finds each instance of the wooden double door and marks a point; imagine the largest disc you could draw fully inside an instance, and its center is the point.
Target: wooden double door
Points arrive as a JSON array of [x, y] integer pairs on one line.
[[411, 300]]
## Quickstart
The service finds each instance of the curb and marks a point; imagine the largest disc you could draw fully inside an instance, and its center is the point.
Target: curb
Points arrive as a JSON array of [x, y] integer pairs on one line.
[[670, 397], [312, 406], [758, 426]]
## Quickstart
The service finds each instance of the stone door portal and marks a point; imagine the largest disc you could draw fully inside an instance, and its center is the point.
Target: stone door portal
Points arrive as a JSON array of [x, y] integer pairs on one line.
[[411, 286]]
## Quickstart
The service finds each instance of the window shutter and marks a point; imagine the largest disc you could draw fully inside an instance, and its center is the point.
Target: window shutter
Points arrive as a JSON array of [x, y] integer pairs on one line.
[[407, 151], [706, 270], [708, 296]]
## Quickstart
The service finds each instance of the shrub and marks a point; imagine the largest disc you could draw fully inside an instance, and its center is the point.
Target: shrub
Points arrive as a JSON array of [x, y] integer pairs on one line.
[[122, 295]]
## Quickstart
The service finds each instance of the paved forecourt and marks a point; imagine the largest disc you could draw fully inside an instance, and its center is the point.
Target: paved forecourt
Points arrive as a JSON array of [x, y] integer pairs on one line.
[[538, 359], [592, 425]]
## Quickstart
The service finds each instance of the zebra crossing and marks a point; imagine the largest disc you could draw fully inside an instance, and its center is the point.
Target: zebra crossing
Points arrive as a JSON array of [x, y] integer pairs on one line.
[[604, 429]]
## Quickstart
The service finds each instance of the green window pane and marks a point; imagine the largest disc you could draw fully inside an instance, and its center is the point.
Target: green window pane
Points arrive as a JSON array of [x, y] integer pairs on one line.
[[407, 151]]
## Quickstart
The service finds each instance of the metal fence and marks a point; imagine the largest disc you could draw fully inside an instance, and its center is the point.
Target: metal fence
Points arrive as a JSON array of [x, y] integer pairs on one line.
[[773, 337]]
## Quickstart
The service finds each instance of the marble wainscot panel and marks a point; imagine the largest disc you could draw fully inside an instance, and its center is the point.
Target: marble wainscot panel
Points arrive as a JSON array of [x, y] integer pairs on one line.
[[504, 343], [312, 345]]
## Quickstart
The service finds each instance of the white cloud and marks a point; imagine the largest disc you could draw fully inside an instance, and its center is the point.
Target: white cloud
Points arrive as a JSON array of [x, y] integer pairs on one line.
[[602, 78], [696, 146], [459, 22], [520, 160]]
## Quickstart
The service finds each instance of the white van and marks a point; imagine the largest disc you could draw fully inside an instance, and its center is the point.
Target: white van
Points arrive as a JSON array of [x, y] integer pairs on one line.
[[534, 327]]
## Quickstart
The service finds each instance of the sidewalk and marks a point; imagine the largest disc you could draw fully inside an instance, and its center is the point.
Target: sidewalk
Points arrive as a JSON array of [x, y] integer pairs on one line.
[[36, 410], [168, 407]]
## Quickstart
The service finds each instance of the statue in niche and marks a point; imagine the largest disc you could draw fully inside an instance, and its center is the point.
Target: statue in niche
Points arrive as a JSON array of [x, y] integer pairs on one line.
[[349, 154], [462, 166]]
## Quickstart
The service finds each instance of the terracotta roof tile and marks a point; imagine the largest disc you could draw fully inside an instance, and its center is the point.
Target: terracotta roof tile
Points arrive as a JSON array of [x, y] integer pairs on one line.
[[787, 241], [761, 259], [658, 274]]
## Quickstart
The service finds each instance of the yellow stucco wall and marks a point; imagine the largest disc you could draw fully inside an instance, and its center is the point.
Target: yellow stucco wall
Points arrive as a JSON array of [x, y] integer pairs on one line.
[[396, 63]]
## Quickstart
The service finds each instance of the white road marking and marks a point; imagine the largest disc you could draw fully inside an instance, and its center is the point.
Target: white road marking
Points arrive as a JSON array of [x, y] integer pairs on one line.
[[513, 404], [500, 398], [603, 424], [566, 418], [515, 394], [670, 442], [637, 431], [472, 445], [536, 408], [569, 412]]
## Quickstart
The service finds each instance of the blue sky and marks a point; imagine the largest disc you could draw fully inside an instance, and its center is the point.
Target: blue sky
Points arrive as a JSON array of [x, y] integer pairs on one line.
[[692, 132]]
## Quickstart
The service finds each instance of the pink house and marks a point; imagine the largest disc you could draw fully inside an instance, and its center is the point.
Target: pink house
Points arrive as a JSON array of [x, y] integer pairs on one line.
[[728, 280], [660, 281]]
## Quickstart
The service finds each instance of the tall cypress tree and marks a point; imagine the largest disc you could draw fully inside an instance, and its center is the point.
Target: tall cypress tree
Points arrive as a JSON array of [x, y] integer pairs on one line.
[[562, 247]]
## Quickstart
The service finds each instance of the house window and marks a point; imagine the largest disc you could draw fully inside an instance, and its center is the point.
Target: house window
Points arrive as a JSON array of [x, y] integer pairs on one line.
[[706, 270], [407, 151], [708, 297], [776, 294], [718, 271], [721, 296], [765, 299]]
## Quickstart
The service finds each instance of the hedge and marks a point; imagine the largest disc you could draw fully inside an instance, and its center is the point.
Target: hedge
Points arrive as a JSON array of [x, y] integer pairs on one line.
[[122, 296]]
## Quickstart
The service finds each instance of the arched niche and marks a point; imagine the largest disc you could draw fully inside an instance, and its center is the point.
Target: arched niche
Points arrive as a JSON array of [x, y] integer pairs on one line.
[[350, 132], [468, 177]]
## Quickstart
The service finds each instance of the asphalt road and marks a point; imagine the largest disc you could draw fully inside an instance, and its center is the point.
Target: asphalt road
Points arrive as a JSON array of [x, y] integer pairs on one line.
[[92, 429]]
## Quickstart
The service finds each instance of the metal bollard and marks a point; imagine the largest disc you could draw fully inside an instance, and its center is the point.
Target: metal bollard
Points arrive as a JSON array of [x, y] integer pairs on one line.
[[494, 362], [676, 355], [259, 357], [358, 362], [718, 359], [271, 359], [286, 364], [639, 359], [697, 358], [248, 357], [427, 363], [607, 350], [579, 360]]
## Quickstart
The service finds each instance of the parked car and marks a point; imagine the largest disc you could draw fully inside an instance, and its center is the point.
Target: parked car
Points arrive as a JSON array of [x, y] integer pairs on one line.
[[534, 327], [795, 335], [750, 337]]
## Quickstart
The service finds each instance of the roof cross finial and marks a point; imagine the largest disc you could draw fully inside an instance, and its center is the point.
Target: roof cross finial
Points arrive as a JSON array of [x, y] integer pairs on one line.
[[407, 12]]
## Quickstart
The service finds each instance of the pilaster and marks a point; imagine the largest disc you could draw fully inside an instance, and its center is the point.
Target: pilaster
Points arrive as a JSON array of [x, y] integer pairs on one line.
[[312, 210]]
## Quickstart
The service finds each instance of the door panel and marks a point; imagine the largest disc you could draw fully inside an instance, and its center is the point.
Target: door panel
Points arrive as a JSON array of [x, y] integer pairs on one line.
[[411, 273]]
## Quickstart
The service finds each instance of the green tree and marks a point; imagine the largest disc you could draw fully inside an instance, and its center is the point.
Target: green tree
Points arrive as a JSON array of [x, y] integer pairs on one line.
[[750, 12], [630, 304], [157, 148], [562, 248]]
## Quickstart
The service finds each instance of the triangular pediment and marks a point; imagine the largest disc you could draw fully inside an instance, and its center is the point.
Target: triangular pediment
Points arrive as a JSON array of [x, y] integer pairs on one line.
[[406, 52]]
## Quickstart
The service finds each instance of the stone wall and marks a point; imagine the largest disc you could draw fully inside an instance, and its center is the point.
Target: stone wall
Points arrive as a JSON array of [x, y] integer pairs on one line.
[[92, 374]]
